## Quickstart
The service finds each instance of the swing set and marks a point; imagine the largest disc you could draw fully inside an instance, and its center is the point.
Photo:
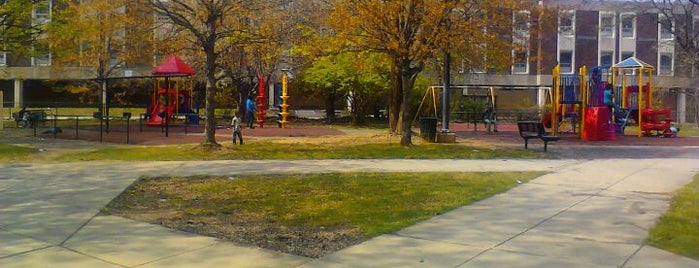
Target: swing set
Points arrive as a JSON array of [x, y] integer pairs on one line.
[[481, 108]]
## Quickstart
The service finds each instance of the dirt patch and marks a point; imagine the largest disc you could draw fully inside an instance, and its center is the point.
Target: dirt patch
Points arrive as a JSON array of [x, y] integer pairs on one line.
[[167, 202], [306, 241]]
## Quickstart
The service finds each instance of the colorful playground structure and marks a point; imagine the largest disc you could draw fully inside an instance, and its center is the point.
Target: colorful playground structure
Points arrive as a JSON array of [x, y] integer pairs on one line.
[[636, 80], [577, 102], [261, 102], [172, 93], [284, 106]]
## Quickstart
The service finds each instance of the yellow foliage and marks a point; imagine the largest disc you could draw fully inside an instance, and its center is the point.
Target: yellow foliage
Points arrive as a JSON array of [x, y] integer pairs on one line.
[[94, 33]]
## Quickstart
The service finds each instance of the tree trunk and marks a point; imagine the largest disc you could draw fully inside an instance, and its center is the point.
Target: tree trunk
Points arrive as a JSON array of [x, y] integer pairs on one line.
[[408, 76], [209, 106], [696, 106], [330, 106], [394, 106]]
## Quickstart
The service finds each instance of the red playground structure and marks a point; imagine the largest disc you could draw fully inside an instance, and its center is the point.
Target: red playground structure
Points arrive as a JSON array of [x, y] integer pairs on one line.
[[171, 97], [635, 78]]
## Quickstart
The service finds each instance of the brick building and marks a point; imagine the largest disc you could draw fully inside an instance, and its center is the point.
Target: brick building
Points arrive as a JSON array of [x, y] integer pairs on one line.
[[574, 33]]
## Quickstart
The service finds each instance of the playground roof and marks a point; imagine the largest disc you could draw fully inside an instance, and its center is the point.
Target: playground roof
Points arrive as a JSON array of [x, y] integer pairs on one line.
[[633, 62], [173, 65]]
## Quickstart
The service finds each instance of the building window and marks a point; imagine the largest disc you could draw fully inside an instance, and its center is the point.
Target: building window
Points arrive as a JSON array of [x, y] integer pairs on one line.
[[606, 59], [628, 23], [606, 25], [665, 64], [3, 54], [521, 23], [626, 54], [666, 27], [565, 62], [41, 13], [566, 23], [42, 55], [520, 65]]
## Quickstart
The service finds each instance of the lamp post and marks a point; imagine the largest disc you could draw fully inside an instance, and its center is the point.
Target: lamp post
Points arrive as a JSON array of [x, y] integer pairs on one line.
[[446, 92], [542, 96], [127, 117]]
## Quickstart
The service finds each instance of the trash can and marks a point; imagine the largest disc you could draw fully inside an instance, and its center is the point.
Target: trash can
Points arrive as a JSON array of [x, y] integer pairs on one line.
[[428, 128], [192, 119]]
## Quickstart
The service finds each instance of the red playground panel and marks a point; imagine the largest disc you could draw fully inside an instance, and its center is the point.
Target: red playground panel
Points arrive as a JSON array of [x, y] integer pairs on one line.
[[656, 122]]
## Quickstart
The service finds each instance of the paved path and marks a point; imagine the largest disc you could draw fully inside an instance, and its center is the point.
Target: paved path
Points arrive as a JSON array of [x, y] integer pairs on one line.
[[585, 213]]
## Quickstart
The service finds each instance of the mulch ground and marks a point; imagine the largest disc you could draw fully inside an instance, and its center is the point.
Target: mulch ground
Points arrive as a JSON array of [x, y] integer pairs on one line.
[[149, 135], [507, 134]]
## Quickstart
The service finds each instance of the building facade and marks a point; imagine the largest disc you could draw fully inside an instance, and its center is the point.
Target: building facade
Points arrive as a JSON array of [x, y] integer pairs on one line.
[[589, 33]]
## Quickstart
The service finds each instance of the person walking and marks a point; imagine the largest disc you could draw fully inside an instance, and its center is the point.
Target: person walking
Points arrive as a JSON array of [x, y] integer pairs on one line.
[[235, 125], [249, 111], [489, 117], [24, 117]]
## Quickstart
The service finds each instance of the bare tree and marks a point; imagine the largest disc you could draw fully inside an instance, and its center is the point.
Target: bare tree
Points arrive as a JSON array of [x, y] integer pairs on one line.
[[207, 25], [680, 21]]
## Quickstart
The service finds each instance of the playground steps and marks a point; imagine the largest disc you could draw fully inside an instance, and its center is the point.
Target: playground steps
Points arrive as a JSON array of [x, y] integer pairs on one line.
[[622, 119], [656, 122]]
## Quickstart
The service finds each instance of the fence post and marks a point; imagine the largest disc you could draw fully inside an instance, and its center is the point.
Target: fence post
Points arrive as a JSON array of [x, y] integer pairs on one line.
[[2, 112], [76, 127], [55, 127]]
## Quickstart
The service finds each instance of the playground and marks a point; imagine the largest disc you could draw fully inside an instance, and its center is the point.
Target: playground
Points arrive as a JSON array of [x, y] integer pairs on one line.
[[465, 133], [591, 108]]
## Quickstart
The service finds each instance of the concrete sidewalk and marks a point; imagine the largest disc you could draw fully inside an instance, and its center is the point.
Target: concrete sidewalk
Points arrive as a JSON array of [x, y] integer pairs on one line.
[[585, 213]]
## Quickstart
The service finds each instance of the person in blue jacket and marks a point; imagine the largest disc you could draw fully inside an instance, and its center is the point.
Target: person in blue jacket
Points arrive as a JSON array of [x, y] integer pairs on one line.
[[608, 98], [249, 112]]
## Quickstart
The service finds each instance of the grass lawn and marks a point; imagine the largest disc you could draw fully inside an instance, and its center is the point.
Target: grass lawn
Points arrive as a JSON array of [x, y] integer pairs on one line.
[[689, 130], [11, 152], [678, 229], [311, 214]]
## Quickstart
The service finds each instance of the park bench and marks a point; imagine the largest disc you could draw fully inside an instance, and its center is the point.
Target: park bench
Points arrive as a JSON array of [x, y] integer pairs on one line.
[[472, 116], [35, 116], [534, 130]]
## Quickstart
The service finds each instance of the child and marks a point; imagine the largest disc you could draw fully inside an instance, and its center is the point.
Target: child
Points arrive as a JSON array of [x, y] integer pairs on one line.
[[609, 100], [235, 124]]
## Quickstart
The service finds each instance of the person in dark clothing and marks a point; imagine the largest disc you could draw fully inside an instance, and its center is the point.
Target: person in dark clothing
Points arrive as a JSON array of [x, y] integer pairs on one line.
[[489, 116], [23, 116]]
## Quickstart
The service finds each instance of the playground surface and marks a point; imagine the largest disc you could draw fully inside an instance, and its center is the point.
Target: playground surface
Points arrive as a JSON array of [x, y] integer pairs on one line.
[[507, 135]]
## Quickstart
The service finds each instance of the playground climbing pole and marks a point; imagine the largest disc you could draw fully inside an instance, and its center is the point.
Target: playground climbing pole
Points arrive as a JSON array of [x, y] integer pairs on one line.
[[285, 97], [261, 102]]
